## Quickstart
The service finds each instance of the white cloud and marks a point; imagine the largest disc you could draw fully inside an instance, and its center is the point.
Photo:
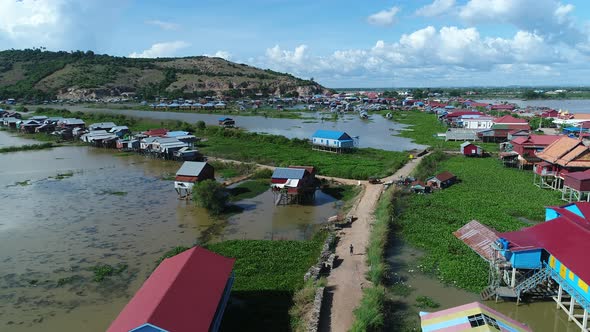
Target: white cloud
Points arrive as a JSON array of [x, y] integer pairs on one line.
[[220, 54], [437, 8], [384, 17], [163, 25], [285, 57], [159, 50]]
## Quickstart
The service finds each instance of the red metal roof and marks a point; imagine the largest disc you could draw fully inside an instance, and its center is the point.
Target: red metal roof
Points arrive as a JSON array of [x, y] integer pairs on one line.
[[157, 132], [455, 114], [182, 294], [502, 107], [444, 176], [509, 119], [479, 238], [584, 175], [566, 237], [536, 140]]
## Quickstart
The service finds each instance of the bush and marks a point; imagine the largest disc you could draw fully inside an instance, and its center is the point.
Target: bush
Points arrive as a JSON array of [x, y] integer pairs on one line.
[[211, 196], [201, 125], [369, 314], [263, 173]]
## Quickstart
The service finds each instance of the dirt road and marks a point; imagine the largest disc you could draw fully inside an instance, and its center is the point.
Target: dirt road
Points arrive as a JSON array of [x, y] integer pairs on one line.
[[347, 280]]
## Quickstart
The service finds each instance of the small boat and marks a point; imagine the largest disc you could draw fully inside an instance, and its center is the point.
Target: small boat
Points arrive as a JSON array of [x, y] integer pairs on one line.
[[364, 115], [389, 115]]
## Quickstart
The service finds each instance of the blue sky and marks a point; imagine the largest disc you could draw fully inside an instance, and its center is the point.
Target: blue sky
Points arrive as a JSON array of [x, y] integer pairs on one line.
[[341, 43]]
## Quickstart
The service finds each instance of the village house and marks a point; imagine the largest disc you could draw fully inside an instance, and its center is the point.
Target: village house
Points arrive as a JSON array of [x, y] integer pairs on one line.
[[471, 150], [293, 184], [158, 132], [190, 173], [476, 122], [469, 317], [522, 261], [563, 156], [526, 148], [71, 123], [185, 293], [502, 127], [29, 126], [102, 126], [501, 107], [442, 180], [226, 122], [576, 187], [332, 141]]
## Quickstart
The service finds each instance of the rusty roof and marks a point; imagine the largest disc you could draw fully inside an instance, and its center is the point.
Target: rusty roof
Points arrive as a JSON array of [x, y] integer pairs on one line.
[[559, 149], [444, 176], [478, 237], [578, 157]]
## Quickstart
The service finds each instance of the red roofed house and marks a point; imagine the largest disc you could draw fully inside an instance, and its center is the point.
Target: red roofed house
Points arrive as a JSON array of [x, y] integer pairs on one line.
[[576, 186], [501, 107], [442, 180], [563, 156], [527, 147], [502, 127], [556, 249], [550, 114], [187, 292]]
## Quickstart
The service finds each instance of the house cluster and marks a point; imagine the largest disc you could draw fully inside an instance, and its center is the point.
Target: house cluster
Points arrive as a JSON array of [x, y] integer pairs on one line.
[[468, 125], [547, 258], [66, 128], [190, 105]]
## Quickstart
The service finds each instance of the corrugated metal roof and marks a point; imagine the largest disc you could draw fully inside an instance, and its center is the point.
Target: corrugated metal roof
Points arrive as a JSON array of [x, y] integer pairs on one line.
[[288, 173], [181, 295], [191, 168], [332, 134], [479, 238]]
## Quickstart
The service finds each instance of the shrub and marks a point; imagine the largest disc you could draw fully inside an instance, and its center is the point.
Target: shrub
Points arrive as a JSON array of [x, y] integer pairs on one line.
[[211, 196]]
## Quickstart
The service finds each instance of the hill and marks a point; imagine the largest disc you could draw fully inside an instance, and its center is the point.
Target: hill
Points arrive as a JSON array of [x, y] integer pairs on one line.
[[39, 74]]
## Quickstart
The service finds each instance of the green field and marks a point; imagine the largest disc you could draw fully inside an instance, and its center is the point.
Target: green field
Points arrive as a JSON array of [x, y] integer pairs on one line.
[[424, 127], [502, 198], [248, 189], [27, 147]]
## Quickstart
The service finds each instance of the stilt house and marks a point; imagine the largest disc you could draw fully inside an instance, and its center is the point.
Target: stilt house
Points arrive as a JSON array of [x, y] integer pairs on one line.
[[563, 156], [548, 258], [293, 184], [187, 292], [190, 173], [332, 141]]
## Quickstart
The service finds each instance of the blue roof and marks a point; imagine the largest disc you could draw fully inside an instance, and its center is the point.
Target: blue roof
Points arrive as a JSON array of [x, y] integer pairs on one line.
[[288, 173], [332, 134], [177, 133]]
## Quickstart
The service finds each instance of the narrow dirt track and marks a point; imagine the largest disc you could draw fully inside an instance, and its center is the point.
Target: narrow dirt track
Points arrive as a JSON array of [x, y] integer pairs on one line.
[[347, 280]]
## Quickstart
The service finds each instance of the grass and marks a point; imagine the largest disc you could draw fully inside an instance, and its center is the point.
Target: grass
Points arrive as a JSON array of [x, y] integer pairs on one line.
[[248, 189], [429, 165], [487, 192], [424, 127], [280, 151], [27, 147], [230, 170], [425, 302], [303, 304], [369, 315]]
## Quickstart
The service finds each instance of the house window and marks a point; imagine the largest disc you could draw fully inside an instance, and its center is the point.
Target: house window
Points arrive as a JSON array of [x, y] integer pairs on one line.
[[482, 319]]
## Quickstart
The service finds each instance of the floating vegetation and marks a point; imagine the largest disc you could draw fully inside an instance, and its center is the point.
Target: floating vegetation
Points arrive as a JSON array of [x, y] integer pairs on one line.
[[124, 154], [61, 176], [168, 177], [27, 147], [425, 302], [113, 192], [68, 280], [22, 183], [101, 272]]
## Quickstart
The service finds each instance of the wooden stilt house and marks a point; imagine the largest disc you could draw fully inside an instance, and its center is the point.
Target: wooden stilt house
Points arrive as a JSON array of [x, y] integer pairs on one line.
[[190, 173], [294, 184], [561, 157]]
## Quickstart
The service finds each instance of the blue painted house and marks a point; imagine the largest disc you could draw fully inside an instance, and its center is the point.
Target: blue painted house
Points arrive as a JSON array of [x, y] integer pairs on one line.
[[330, 140]]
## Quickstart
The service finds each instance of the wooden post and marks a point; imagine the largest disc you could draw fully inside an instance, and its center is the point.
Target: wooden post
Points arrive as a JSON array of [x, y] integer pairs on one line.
[[571, 312], [559, 295], [585, 320], [513, 281]]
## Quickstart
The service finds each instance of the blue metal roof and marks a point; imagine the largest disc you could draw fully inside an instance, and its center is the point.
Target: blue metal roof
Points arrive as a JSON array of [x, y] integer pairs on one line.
[[288, 173], [177, 133], [331, 134]]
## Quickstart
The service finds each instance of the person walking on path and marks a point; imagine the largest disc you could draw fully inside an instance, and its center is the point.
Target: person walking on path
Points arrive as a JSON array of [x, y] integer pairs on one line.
[[351, 249]]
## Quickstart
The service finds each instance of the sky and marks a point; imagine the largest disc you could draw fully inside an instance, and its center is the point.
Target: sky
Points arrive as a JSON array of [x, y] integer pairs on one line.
[[338, 43]]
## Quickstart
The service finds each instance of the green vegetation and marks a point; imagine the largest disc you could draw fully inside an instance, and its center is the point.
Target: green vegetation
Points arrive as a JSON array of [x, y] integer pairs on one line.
[[68, 280], [40, 74], [425, 302], [248, 189], [113, 192], [229, 169], [22, 183], [369, 314], [61, 176], [303, 303], [101, 272], [210, 195], [429, 165], [425, 126], [487, 192], [280, 151], [262, 173], [27, 147]]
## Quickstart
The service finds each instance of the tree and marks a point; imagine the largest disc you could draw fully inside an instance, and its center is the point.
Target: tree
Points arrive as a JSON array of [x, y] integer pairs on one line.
[[455, 93], [530, 94], [418, 94], [201, 125], [210, 195]]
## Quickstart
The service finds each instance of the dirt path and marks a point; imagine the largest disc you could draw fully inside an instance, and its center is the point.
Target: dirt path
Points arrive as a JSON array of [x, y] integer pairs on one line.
[[347, 279]]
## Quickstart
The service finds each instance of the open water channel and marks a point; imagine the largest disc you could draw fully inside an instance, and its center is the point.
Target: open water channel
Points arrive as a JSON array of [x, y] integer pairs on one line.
[[67, 209]]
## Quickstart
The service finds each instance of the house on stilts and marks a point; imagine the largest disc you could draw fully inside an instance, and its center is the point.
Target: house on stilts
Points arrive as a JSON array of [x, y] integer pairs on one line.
[[548, 259], [190, 173], [333, 141], [561, 157], [522, 151], [293, 184], [187, 292]]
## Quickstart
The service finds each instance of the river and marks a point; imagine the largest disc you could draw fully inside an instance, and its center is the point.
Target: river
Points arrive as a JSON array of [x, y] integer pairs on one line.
[[65, 210], [572, 105], [377, 132]]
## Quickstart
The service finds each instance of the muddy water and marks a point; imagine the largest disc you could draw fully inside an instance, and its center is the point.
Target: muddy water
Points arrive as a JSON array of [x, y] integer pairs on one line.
[[11, 139], [402, 259], [65, 210], [377, 132]]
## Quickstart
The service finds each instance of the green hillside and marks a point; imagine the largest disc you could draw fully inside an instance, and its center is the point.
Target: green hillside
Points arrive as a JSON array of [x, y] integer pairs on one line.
[[39, 74]]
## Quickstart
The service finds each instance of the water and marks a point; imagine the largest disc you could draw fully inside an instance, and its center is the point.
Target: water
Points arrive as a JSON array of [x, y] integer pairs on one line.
[[402, 258], [10, 139], [105, 209], [572, 105], [377, 132]]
